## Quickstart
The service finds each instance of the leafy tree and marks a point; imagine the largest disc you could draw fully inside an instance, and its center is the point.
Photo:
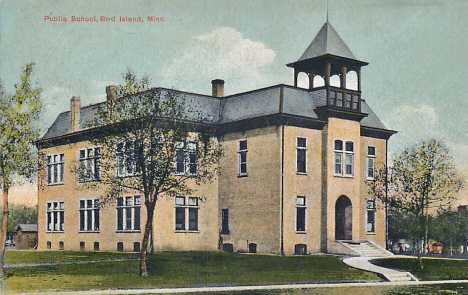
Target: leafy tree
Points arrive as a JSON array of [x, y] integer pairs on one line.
[[450, 228], [141, 136], [21, 214], [421, 180], [18, 124]]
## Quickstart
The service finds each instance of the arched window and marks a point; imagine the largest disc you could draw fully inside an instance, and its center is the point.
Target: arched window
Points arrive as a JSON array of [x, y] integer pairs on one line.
[[335, 81], [303, 80], [352, 80], [318, 81]]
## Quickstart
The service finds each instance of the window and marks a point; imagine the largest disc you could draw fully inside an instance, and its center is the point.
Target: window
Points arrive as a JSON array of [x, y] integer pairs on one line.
[[89, 163], [301, 145], [55, 216], [225, 221], [82, 246], [370, 162], [49, 245], [300, 214], [55, 169], [347, 154], [242, 157], [89, 215], [186, 159], [61, 245], [370, 216], [128, 213], [120, 246], [96, 246], [127, 154], [186, 213]]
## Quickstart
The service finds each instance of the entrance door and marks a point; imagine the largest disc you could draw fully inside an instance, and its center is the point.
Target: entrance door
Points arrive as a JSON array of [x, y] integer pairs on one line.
[[343, 219]]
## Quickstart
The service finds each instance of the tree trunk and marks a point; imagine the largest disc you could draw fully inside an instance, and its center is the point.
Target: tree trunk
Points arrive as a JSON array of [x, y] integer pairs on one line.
[[144, 244], [3, 230]]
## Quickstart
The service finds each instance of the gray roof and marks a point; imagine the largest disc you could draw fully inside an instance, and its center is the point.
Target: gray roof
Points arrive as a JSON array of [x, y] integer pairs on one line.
[[26, 227], [327, 41], [252, 104]]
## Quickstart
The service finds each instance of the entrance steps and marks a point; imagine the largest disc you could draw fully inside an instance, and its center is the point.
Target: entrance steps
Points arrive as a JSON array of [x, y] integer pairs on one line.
[[367, 251]]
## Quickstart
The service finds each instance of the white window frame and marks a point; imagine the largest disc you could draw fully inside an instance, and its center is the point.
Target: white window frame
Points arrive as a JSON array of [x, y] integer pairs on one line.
[[54, 173], [131, 205], [88, 159], [187, 205], [301, 205], [189, 158], [370, 207], [298, 150], [240, 153], [370, 161], [344, 158], [90, 209], [55, 216]]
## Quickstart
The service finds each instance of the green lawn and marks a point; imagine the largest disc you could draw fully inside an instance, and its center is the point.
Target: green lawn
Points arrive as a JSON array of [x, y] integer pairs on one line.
[[179, 269], [434, 268], [29, 256]]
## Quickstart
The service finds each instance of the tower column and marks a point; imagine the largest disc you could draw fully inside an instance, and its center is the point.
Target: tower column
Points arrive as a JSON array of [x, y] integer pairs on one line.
[[296, 73], [358, 72], [327, 74], [311, 80], [344, 71]]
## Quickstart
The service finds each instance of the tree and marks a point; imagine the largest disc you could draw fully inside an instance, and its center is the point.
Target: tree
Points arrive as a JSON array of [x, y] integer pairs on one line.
[[19, 115], [421, 180], [152, 144]]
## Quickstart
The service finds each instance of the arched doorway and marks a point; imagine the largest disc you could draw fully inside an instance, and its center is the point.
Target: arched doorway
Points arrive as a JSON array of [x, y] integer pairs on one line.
[[343, 219]]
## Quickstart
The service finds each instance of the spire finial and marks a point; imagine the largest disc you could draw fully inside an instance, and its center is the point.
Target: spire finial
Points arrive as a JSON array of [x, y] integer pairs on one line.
[[327, 11]]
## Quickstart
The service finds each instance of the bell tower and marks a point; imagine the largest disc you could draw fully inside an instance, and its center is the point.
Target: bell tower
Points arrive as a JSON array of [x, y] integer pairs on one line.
[[327, 56]]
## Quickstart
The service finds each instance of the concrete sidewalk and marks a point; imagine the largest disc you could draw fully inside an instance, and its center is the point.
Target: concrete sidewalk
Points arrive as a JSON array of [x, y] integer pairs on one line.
[[237, 288], [391, 275]]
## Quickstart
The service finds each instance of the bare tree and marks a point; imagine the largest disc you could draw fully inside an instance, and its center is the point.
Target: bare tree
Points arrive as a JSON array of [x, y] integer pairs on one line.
[[19, 115], [152, 144]]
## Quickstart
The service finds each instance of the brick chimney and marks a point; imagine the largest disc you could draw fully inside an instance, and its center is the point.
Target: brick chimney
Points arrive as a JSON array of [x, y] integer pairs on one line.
[[217, 87], [75, 113], [111, 92]]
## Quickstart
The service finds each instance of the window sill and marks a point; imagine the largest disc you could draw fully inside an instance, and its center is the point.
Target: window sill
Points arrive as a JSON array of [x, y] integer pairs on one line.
[[301, 232], [370, 178], [343, 176], [55, 232], [89, 232], [55, 184], [89, 180], [242, 175], [183, 231], [301, 173], [370, 233], [128, 231]]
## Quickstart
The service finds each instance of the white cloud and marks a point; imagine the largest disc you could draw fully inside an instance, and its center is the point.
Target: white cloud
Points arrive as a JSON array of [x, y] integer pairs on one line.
[[220, 54]]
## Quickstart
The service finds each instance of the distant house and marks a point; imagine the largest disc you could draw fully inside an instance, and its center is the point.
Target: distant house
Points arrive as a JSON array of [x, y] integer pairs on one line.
[[25, 236]]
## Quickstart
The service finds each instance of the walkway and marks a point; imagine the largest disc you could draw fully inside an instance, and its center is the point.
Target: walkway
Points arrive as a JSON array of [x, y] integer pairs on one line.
[[238, 288], [363, 262]]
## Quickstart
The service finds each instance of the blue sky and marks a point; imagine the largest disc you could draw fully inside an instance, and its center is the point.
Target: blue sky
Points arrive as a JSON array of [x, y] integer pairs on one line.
[[416, 80]]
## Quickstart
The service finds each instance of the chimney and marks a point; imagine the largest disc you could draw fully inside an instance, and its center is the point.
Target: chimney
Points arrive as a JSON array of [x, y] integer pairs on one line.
[[111, 92], [75, 113], [217, 87]]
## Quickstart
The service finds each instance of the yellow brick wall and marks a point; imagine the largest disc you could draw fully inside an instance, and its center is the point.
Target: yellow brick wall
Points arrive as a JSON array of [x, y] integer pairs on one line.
[[253, 201]]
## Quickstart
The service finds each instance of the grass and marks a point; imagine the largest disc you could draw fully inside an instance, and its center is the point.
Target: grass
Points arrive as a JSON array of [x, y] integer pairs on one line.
[[169, 269], [434, 268], [443, 289], [31, 256]]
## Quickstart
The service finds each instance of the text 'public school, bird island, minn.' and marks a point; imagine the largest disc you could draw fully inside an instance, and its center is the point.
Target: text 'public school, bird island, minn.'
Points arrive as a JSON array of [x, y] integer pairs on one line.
[[103, 19]]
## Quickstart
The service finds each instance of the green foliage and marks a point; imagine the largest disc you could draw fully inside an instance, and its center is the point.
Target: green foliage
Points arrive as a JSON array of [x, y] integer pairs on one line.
[[421, 180], [19, 114], [21, 214], [450, 228]]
